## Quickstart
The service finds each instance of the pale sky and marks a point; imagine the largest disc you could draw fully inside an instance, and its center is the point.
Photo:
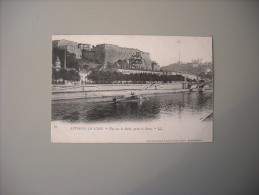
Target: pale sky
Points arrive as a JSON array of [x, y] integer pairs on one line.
[[163, 49]]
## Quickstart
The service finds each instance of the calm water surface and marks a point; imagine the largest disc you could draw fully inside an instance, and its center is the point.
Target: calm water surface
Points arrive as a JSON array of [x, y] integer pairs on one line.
[[171, 106]]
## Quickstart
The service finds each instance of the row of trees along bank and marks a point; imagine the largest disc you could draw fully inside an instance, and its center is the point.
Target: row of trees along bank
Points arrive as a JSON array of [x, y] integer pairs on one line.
[[65, 74], [107, 77]]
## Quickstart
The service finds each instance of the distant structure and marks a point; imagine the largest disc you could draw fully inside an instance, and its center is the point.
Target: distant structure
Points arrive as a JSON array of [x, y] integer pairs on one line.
[[179, 59], [196, 62]]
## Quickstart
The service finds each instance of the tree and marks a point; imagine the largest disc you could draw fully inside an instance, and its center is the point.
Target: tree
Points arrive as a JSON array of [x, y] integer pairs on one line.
[[110, 77], [63, 74], [55, 74], [73, 75]]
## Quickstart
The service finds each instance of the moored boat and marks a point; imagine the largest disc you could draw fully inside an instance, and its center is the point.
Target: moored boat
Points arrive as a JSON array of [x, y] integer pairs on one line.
[[132, 98]]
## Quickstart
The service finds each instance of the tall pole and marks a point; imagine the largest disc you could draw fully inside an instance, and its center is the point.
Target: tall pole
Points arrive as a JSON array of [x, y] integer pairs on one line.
[[65, 60]]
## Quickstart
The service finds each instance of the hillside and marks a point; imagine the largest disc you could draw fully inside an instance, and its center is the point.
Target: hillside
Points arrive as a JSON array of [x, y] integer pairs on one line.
[[188, 68]]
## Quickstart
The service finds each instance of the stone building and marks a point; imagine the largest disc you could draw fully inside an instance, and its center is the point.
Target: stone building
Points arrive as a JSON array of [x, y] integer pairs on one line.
[[110, 54], [68, 46], [84, 46], [103, 54]]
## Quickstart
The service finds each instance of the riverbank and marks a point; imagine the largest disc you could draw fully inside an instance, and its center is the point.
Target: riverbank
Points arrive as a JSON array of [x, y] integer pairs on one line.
[[101, 92]]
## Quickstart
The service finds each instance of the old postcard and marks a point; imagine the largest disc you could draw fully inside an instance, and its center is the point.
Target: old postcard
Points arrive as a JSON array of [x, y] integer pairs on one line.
[[131, 89]]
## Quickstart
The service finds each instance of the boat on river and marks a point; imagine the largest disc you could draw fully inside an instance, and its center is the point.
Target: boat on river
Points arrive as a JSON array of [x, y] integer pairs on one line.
[[131, 98]]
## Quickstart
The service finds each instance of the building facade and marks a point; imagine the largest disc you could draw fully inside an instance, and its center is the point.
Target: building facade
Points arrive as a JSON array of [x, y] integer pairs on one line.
[[83, 76], [69, 46], [111, 54]]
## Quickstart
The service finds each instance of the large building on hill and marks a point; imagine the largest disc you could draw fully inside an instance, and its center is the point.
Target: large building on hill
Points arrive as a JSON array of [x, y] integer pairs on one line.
[[112, 54], [69, 46], [68, 52], [105, 55]]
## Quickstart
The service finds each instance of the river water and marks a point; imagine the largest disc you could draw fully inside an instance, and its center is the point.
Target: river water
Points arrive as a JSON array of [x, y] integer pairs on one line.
[[163, 118], [177, 106]]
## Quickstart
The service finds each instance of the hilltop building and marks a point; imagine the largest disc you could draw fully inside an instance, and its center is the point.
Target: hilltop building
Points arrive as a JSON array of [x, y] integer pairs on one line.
[[86, 47], [69, 46], [104, 55], [196, 62], [113, 54]]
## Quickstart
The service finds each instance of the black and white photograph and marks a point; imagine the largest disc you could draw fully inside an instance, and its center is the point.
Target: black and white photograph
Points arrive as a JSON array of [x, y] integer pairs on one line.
[[131, 89]]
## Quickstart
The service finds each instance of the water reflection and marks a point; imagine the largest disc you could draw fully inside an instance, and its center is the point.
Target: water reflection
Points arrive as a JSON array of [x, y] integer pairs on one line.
[[178, 105]]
